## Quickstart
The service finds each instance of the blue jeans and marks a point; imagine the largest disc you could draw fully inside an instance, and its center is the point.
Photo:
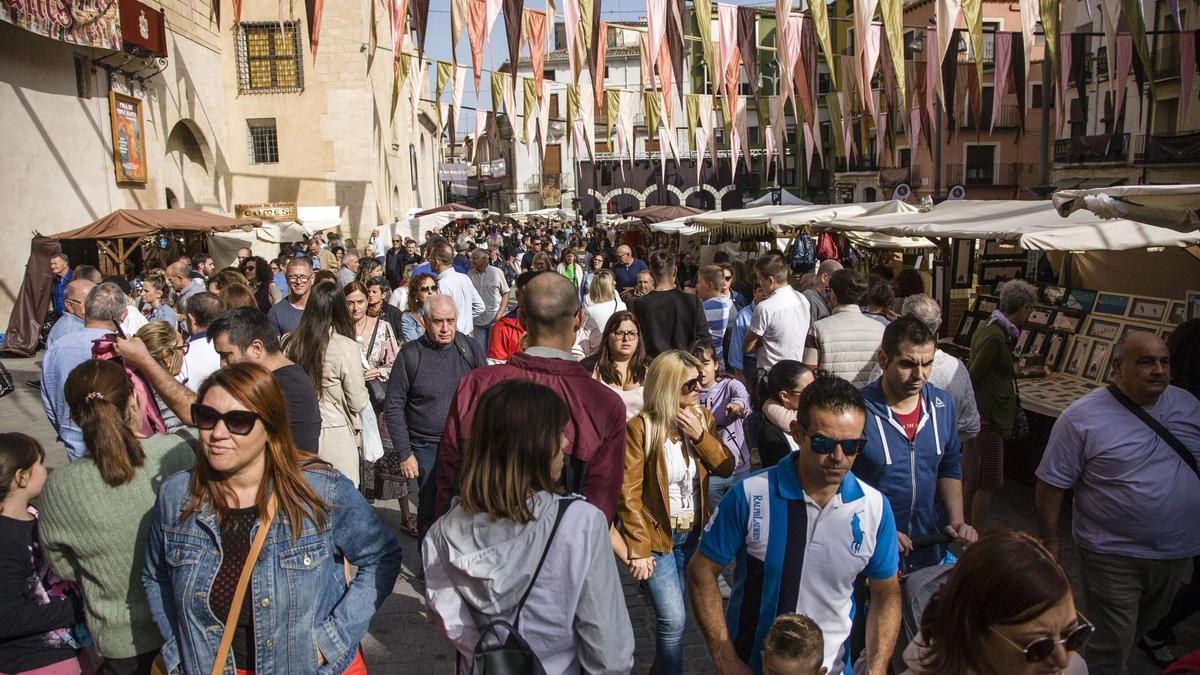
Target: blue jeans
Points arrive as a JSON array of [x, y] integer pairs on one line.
[[668, 592], [718, 486], [426, 454], [482, 334]]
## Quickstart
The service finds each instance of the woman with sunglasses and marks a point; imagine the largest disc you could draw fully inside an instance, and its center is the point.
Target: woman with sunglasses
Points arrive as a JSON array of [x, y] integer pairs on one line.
[[258, 273], [671, 448], [784, 383], [597, 263], [420, 287], [324, 346], [93, 511], [168, 348], [1006, 609], [298, 614]]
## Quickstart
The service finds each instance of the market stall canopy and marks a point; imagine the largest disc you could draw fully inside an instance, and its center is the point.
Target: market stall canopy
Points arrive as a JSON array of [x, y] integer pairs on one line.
[[263, 241], [452, 207], [416, 227], [779, 217], [678, 226], [546, 214], [878, 240], [318, 218], [124, 223], [1176, 207], [658, 214], [1032, 224], [785, 199]]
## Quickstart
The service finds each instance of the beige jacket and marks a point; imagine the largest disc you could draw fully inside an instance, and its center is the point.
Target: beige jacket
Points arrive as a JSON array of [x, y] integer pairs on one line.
[[343, 390]]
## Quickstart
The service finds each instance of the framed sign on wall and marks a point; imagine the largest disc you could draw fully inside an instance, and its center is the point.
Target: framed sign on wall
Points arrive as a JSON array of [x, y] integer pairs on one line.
[[128, 138]]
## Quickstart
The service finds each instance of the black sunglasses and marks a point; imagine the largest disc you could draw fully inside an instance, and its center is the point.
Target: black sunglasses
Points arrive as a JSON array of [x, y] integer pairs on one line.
[[238, 422], [691, 385], [1041, 648], [824, 445]]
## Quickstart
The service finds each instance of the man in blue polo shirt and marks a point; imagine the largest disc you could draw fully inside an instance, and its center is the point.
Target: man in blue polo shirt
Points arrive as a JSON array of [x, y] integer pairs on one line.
[[626, 269], [801, 532]]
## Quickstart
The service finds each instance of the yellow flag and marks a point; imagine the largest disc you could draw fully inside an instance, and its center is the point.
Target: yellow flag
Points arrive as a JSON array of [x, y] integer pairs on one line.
[[820, 19]]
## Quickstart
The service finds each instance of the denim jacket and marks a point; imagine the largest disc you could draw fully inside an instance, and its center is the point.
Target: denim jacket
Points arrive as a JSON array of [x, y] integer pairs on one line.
[[298, 589]]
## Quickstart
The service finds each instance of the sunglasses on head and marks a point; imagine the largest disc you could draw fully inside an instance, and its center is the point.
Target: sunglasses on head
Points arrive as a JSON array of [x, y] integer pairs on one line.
[[1041, 648], [824, 445], [238, 422]]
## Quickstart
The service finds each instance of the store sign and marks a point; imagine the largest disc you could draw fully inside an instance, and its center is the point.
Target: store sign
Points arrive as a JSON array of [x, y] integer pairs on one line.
[[128, 138], [88, 23], [493, 169], [270, 212], [142, 25], [449, 172]]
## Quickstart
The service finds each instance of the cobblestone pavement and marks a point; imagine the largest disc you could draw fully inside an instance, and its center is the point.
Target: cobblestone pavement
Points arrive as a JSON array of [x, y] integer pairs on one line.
[[401, 640]]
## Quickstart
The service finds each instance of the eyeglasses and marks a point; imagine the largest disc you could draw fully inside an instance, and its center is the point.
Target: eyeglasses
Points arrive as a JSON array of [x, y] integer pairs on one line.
[[238, 422], [1041, 648], [625, 334], [428, 289], [690, 386], [299, 277], [824, 445], [183, 348]]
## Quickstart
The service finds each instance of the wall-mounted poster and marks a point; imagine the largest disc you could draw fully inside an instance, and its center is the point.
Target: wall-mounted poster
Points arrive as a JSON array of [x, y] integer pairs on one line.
[[1177, 314], [1193, 304], [1081, 298], [963, 262], [551, 190], [128, 138]]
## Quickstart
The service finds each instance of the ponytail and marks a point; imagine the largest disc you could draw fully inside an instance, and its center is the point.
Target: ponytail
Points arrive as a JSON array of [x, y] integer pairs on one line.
[[98, 394]]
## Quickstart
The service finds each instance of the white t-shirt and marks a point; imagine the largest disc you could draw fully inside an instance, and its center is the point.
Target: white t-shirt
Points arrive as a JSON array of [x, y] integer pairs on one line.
[[201, 361], [781, 321], [681, 479]]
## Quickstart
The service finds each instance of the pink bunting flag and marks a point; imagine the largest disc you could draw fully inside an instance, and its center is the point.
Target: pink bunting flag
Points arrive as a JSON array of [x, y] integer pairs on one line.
[[933, 75], [914, 130], [399, 8], [808, 148], [792, 31], [704, 132], [881, 136], [1124, 64], [1003, 62], [481, 118], [770, 146], [946, 13], [864, 13], [535, 35], [735, 135], [656, 30], [1064, 79], [727, 41], [571, 19], [870, 57], [1187, 69]]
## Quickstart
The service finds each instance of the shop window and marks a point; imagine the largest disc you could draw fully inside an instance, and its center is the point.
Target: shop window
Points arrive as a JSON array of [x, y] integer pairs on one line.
[[270, 58], [264, 141]]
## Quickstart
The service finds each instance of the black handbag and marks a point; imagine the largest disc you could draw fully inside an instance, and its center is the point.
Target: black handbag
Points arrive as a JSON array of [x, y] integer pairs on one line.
[[376, 389], [513, 656]]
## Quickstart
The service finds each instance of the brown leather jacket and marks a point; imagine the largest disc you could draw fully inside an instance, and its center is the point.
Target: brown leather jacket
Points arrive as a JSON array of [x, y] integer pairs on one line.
[[644, 510]]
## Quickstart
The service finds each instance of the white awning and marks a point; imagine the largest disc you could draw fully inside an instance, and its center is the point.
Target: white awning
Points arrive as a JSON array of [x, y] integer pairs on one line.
[[415, 228], [263, 241], [778, 217], [1176, 207], [319, 218], [785, 199]]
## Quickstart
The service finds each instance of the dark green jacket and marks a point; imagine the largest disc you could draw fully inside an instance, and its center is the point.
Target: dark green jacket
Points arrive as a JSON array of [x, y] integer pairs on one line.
[[993, 376]]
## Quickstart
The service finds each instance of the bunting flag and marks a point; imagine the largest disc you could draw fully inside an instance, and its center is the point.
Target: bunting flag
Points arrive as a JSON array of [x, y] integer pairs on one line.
[[612, 112], [530, 111], [787, 50], [666, 74], [493, 11], [741, 133], [805, 73], [881, 133], [790, 79], [666, 132], [893, 27], [646, 61], [1003, 60], [747, 36], [770, 145], [656, 29], [497, 86], [651, 110], [888, 68], [418, 86], [1187, 69], [820, 21], [589, 13], [477, 32], [1131, 11], [1110, 13], [704, 20], [870, 57], [864, 15], [1018, 73], [973, 15], [481, 120], [1124, 62], [1049, 16], [974, 102], [914, 130], [601, 56], [626, 131], [727, 35], [1079, 67], [237, 11], [456, 94], [1030, 16], [399, 80], [543, 123], [933, 76], [313, 10], [443, 113], [458, 21], [509, 89], [776, 131], [587, 120], [674, 42], [1174, 6], [397, 16], [707, 115], [571, 25], [1063, 80], [691, 110], [808, 148], [512, 26], [444, 72], [946, 12], [835, 129], [949, 80], [372, 37], [535, 35], [420, 21]]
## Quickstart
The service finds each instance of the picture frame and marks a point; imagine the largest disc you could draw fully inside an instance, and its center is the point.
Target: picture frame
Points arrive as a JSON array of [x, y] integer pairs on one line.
[[1039, 342], [962, 261], [1192, 300], [1040, 317], [1078, 357], [992, 272], [1177, 314], [1081, 299], [1112, 304], [939, 278], [1068, 320], [1149, 309], [966, 328], [1097, 361], [128, 138], [1055, 350], [986, 303], [996, 249], [1052, 294], [1138, 328], [1103, 330], [1022, 344]]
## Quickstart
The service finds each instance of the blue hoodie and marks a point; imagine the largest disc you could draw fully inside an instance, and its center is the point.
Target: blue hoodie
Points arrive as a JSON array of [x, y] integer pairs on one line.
[[907, 473]]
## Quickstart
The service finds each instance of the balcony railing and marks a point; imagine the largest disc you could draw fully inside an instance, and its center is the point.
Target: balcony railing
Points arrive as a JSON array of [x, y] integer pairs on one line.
[[1085, 149], [1007, 117], [1181, 147], [983, 174], [859, 163], [1166, 56]]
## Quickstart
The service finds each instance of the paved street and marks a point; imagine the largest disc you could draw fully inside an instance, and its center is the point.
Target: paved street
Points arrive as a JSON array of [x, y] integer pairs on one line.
[[402, 641]]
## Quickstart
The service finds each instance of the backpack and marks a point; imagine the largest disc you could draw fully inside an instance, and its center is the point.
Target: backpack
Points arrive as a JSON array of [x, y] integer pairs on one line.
[[513, 655], [827, 247], [803, 257], [412, 357]]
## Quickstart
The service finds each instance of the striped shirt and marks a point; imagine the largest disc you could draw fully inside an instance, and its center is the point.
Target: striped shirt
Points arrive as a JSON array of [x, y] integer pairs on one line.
[[720, 314]]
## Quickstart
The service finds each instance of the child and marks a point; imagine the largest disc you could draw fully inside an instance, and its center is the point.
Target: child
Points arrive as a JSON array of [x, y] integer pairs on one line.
[[36, 613], [793, 646]]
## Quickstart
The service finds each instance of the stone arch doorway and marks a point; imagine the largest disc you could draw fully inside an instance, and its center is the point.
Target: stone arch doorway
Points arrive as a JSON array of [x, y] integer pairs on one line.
[[189, 164]]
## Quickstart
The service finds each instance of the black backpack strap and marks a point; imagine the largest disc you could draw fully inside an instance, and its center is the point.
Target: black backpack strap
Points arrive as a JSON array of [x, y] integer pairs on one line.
[[412, 362], [1163, 433], [563, 504], [465, 350]]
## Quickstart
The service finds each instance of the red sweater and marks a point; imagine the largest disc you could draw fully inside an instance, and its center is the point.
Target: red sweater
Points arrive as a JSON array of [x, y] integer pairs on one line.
[[595, 435], [506, 338]]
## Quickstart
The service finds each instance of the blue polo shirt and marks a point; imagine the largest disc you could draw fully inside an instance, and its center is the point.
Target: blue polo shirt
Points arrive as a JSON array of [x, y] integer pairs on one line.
[[793, 556], [626, 276]]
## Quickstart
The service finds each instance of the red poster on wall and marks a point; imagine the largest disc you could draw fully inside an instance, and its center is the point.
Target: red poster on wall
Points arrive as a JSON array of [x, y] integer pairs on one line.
[[142, 25]]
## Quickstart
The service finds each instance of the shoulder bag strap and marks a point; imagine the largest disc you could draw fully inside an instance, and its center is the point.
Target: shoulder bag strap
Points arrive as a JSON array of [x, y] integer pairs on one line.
[[562, 509], [374, 332], [239, 594], [1163, 433]]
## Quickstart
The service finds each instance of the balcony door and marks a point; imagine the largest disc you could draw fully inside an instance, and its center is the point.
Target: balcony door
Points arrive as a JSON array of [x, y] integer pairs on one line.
[[980, 165]]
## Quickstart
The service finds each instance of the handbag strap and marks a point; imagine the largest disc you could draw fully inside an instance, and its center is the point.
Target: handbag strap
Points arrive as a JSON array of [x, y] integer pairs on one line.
[[374, 332], [239, 593], [1163, 433], [562, 509]]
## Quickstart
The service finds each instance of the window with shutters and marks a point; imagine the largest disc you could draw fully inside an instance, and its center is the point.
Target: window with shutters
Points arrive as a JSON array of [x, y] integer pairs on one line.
[[270, 58]]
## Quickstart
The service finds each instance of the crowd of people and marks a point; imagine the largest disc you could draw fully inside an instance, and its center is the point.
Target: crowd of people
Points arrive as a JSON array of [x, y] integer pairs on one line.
[[773, 452]]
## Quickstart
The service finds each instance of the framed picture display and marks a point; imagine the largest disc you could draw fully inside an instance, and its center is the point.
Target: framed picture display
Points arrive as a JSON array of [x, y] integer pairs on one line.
[[1193, 304], [1040, 317], [991, 272], [1102, 329], [1177, 314], [1053, 295], [986, 303], [1111, 303], [1023, 342], [1078, 358], [995, 249], [966, 328], [1137, 328], [128, 138], [1081, 299], [1068, 320], [1039, 342], [1149, 309], [1054, 350], [1097, 361], [939, 279], [962, 261]]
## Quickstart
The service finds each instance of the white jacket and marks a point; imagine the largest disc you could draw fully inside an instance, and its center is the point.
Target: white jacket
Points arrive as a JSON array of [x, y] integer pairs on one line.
[[848, 342], [575, 619]]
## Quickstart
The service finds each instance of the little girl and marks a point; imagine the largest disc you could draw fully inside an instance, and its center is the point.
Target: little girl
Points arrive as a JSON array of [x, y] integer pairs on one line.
[[38, 612]]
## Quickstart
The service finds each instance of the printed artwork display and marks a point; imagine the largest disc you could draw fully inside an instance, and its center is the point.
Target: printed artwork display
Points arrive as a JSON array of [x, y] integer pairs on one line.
[[1097, 359], [128, 138], [1078, 359], [1055, 351], [1111, 303], [1148, 309], [1081, 298], [1068, 320], [1103, 330], [1177, 314], [963, 260]]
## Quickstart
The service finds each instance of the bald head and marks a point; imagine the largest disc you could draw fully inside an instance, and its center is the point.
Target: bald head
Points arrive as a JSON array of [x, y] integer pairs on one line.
[[441, 319], [179, 274], [1141, 366], [549, 304], [825, 270], [75, 294]]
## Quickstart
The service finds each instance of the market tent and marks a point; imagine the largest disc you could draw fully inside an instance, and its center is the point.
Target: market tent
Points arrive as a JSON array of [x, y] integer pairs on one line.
[[879, 240], [416, 227], [125, 223], [1033, 224], [658, 214], [1176, 207], [678, 226], [785, 199], [263, 241], [779, 217], [821, 213], [318, 218], [752, 217], [546, 214], [452, 207]]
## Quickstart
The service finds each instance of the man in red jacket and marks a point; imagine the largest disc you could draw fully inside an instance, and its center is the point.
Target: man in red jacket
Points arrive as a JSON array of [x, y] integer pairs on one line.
[[595, 453]]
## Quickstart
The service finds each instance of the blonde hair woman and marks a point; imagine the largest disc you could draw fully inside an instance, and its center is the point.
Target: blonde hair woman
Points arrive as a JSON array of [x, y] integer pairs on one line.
[[601, 303], [168, 348], [671, 448]]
